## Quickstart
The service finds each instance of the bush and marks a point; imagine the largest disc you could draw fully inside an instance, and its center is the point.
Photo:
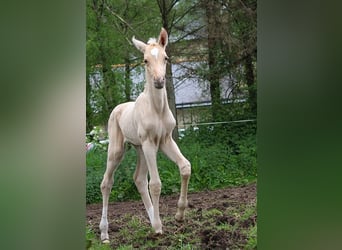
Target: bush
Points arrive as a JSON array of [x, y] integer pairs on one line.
[[220, 156], [95, 160]]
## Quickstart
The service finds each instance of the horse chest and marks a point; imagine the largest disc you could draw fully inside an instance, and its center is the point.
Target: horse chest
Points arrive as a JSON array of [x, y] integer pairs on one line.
[[160, 125], [157, 127], [169, 123]]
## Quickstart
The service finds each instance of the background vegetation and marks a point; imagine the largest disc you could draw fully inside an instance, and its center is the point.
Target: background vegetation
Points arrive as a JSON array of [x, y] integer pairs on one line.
[[221, 155], [217, 39]]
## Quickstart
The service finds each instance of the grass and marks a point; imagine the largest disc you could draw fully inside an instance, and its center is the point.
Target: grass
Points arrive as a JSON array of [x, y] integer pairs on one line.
[[92, 241]]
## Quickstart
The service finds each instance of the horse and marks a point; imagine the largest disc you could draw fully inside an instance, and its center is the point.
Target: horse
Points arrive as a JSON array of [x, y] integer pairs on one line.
[[147, 124]]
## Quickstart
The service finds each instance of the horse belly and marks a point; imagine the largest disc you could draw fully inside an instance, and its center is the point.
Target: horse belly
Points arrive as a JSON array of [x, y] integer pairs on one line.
[[127, 125]]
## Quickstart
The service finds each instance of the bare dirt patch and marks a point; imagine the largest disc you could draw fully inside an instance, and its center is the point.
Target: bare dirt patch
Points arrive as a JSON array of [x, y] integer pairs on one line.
[[216, 219]]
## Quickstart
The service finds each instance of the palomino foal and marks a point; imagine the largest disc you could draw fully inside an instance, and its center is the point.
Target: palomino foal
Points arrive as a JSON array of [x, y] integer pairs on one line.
[[146, 123]]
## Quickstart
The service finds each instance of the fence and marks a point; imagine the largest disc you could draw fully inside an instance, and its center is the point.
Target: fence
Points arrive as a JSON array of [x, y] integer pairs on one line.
[[200, 113]]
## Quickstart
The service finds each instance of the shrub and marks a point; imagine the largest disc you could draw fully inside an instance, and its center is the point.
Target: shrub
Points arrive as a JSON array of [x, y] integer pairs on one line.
[[222, 155]]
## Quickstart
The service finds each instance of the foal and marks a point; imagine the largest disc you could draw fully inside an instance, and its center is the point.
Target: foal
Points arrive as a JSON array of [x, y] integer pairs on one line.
[[146, 123]]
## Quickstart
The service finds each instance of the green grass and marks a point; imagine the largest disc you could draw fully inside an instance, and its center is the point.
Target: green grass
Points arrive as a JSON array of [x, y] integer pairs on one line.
[[92, 241], [252, 238]]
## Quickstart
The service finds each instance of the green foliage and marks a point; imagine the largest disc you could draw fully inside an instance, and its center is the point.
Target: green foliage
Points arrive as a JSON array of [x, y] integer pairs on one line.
[[92, 242], [95, 160], [220, 156], [252, 238], [110, 27], [123, 188]]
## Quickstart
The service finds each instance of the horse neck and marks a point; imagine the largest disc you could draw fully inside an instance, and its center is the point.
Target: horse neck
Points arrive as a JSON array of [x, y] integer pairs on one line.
[[158, 97]]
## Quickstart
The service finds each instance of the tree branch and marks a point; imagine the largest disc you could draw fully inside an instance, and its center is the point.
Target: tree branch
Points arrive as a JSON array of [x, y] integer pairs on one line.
[[121, 19]]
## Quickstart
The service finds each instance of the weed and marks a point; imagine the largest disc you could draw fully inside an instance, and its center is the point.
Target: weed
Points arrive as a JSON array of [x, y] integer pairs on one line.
[[211, 213], [92, 242], [125, 247], [252, 238]]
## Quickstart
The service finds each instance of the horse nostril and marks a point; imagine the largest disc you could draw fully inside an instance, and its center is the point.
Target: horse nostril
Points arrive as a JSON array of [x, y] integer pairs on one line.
[[159, 79], [159, 83]]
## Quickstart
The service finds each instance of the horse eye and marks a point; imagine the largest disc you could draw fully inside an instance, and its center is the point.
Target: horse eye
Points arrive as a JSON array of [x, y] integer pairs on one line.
[[145, 61], [166, 58]]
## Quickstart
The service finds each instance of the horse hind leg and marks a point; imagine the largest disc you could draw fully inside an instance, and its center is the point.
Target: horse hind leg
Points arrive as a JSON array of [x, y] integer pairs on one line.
[[171, 150], [114, 157], [141, 182]]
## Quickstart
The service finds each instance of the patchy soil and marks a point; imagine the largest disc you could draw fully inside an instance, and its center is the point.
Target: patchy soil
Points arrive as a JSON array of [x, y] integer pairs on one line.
[[220, 219]]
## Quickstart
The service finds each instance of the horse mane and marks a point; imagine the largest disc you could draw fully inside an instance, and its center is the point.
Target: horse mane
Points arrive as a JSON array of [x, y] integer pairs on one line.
[[152, 41]]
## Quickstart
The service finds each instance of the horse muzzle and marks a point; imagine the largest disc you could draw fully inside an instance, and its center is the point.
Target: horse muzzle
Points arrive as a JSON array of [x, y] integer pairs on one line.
[[159, 83]]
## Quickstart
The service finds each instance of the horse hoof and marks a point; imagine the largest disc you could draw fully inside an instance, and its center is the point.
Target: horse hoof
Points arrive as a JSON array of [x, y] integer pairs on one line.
[[179, 217], [106, 241]]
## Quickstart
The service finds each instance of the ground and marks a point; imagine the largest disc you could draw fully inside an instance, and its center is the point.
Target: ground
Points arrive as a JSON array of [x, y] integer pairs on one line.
[[220, 219]]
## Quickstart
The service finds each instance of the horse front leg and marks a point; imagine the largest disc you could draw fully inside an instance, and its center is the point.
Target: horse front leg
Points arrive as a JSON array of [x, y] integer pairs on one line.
[[171, 150], [150, 153]]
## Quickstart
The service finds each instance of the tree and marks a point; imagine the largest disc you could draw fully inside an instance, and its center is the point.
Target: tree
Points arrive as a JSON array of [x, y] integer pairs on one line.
[[240, 44], [167, 18], [110, 27], [231, 42], [248, 17], [215, 39], [104, 88], [176, 16], [219, 34]]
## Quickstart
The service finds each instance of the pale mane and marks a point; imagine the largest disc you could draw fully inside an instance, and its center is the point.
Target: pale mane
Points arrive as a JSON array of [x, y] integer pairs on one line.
[[151, 40]]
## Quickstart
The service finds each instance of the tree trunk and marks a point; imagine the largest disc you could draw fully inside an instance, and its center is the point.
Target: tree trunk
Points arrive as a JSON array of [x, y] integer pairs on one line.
[[89, 111], [171, 97], [252, 93], [214, 50], [165, 10], [127, 80]]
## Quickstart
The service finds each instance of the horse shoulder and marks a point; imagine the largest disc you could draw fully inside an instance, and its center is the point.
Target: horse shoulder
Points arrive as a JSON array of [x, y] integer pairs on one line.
[[124, 115], [122, 111], [117, 112]]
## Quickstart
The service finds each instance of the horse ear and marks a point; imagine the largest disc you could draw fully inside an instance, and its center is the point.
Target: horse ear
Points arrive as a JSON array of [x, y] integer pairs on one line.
[[139, 44], [163, 38]]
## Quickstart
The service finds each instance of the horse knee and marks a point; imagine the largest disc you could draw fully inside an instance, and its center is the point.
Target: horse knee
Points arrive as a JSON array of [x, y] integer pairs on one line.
[[116, 155], [103, 186], [140, 184], [185, 169], [155, 187], [106, 184]]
